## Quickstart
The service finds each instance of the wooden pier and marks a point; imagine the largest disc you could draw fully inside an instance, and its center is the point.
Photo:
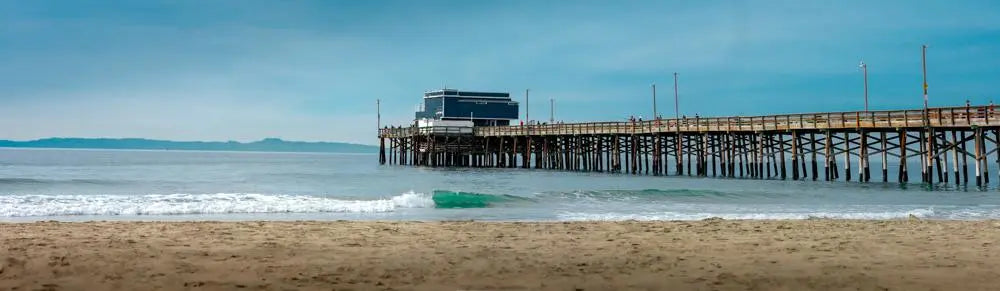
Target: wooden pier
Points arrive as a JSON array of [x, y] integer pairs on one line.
[[812, 146]]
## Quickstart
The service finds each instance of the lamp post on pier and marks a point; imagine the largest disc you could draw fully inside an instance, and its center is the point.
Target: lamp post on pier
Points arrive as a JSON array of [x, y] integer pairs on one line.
[[527, 116], [677, 106], [923, 62], [864, 69], [552, 111], [655, 116], [381, 138], [677, 110], [679, 139]]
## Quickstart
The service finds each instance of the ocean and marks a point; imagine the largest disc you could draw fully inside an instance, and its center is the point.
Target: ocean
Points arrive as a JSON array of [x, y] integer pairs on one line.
[[75, 185]]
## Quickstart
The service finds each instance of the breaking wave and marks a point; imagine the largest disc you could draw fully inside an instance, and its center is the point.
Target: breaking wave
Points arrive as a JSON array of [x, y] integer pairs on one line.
[[219, 203], [450, 199]]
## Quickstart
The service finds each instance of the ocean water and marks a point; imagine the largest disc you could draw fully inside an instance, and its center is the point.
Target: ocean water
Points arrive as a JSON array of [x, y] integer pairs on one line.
[[73, 185]]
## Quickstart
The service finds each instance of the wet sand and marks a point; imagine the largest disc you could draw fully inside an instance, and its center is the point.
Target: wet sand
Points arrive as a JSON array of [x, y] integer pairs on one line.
[[701, 255]]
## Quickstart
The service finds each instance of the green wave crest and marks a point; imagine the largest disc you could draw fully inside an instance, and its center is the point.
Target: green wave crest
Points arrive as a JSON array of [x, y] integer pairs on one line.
[[454, 199]]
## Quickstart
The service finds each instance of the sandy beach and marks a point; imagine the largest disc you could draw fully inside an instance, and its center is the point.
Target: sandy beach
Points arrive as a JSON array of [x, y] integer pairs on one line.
[[347, 255]]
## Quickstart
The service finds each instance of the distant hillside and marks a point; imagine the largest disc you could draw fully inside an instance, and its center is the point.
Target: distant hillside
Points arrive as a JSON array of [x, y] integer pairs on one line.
[[265, 145]]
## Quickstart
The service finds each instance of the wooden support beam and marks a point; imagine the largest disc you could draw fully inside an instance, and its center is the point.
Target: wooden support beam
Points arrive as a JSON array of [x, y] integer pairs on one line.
[[702, 158], [937, 158], [979, 151], [986, 165], [802, 157], [626, 153], [847, 156], [863, 167], [781, 154], [965, 161], [678, 158], [513, 153], [715, 151], [942, 146], [925, 158], [904, 175], [645, 153], [812, 151], [752, 155], [759, 155], [730, 156], [828, 157], [954, 157], [635, 152], [688, 152], [740, 146], [665, 151], [768, 153], [618, 154], [795, 155], [996, 144], [885, 161], [664, 144], [381, 151]]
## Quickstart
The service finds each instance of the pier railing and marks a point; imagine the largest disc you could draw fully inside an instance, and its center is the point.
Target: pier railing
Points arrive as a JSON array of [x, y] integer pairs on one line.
[[965, 116]]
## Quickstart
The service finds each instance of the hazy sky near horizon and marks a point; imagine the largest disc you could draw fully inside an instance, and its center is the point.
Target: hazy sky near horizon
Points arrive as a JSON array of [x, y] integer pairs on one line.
[[311, 70]]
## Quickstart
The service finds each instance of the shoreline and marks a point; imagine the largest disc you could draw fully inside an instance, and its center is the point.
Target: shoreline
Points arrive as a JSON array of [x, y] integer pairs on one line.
[[307, 218], [816, 254], [310, 217]]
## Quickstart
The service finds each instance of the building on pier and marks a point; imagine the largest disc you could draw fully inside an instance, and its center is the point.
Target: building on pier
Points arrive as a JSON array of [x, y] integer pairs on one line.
[[482, 108]]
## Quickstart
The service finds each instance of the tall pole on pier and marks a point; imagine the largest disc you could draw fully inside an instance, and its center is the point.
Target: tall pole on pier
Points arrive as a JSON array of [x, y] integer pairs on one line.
[[654, 102], [677, 110], [923, 61], [864, 68], [679, 139], [378, 125], [527, 117], [552, 110]]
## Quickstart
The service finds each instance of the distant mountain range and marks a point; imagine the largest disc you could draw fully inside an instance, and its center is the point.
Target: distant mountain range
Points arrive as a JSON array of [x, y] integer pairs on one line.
[[265, 145]]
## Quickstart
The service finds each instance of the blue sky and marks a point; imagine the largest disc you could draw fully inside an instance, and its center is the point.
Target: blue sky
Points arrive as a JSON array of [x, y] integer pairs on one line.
[[311, 70]]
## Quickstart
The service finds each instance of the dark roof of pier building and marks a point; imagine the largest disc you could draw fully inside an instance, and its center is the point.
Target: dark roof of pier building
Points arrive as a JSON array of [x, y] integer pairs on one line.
[[469, 94]]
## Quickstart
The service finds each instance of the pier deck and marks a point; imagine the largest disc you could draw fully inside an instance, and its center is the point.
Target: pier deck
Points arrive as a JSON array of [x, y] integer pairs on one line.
[[737, 146]]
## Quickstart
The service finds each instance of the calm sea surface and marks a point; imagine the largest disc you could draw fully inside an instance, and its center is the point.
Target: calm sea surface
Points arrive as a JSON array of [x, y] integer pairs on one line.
[[45, 184]]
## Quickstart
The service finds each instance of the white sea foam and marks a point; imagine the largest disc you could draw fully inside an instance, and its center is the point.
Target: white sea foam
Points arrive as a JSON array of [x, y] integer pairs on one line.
[[219, 203], [579, 216]]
